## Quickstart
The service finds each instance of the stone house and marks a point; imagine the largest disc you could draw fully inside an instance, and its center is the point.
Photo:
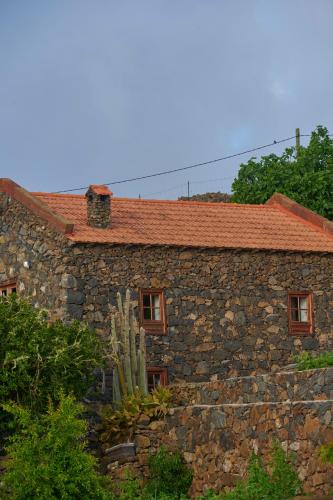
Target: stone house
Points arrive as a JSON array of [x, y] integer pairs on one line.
[[221, 289]]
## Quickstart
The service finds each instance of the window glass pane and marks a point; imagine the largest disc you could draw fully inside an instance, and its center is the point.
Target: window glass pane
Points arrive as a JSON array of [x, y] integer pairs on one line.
[[304, 315], [295, 315], [147, 313], [14, 290], [294, 302], [4, 292], [156, 307], [303, 303], [154, 380], [146, 300]]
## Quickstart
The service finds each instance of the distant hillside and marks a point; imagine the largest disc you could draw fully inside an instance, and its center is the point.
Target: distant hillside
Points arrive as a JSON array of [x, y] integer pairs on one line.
[[214, 197]]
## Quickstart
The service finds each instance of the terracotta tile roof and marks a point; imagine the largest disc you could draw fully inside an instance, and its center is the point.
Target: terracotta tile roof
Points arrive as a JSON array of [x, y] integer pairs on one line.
[[199, 224]]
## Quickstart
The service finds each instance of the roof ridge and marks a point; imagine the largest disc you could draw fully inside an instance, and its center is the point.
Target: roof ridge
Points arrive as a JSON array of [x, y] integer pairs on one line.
[[158, 201]]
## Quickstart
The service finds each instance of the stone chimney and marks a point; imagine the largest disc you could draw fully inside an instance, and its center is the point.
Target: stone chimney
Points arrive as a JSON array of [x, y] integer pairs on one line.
[[99, 206]]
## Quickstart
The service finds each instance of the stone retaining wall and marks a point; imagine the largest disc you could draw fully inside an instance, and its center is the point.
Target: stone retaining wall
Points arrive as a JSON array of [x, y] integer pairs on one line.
[[221, 423], [217, 440], [283, 386]]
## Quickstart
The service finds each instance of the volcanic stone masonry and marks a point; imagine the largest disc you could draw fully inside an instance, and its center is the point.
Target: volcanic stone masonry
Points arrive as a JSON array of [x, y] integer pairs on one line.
[[226, 309], [218, 426]]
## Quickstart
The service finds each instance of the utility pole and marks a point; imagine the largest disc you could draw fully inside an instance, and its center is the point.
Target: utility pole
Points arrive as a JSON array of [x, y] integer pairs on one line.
[[188, 190], [298, 140]]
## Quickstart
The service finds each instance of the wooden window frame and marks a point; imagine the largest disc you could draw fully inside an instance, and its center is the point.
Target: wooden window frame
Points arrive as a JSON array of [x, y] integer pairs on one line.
[[8, 286], [157, 327], [163, 372], [301, 327]]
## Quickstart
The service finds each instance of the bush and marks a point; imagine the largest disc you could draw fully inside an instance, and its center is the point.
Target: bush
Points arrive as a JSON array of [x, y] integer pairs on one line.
[[38, 358], [169, 477], [129, 488], [326, 453], [280, 483], [306, 361], [120, 424], [47, 457]]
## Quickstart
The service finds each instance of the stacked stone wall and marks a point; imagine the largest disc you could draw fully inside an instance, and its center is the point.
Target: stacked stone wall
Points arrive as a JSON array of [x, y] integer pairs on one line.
[[35, 256], [218, 439], [226, 310], [293, 386]]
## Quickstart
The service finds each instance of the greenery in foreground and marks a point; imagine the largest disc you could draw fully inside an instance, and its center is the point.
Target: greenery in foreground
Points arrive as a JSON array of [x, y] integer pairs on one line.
[[171, 479], [307, 361], [305, 176], [48, 458], [39, 358]]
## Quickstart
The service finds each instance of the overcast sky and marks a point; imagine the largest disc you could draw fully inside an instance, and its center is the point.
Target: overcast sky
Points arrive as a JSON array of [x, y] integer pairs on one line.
[[94, 91]]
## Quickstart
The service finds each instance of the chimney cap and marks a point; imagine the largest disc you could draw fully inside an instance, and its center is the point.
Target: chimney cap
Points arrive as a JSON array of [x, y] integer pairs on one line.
[[99, 189]]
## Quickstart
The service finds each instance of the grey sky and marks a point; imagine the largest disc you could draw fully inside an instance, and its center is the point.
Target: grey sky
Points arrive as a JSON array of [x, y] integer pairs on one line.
[[93, 90]]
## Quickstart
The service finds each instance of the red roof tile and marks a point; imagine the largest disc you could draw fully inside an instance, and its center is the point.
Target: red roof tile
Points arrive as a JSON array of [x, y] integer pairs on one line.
[[198, 224]]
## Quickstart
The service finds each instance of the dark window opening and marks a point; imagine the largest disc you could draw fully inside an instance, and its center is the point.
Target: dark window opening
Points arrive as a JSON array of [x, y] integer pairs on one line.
[[7, 289], [156, 377]]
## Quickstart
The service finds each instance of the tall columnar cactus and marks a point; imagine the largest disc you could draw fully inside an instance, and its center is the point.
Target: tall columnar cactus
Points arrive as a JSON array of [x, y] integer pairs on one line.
[[129, 372]]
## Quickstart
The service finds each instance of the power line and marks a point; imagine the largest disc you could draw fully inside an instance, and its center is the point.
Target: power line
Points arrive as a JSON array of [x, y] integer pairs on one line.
[[188, 167], [166, 190], [205, 181]]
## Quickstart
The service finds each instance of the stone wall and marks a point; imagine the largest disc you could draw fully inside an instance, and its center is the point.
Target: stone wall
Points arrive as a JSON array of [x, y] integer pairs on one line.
[[226, 309], [218, 439], [25, 238], [293, 386]]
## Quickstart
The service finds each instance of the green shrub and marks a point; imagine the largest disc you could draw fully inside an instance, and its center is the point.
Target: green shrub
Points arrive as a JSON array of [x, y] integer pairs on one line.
[[210, 495], [169, 476], [48, 458], [38, 358], [128, 488], [280, 483], [326, 453], [169, 479], [119, 424], [306, 361]]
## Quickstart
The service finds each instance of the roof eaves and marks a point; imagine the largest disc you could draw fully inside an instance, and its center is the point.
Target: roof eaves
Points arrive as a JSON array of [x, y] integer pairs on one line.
[[39, 208]]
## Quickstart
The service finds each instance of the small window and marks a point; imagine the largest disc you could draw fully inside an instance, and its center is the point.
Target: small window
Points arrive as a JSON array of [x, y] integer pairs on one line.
[[152, 311], [156, 377], [300, 312], [7, 288]]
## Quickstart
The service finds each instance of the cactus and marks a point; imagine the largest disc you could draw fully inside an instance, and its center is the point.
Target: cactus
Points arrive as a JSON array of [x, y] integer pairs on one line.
[[129, 370]]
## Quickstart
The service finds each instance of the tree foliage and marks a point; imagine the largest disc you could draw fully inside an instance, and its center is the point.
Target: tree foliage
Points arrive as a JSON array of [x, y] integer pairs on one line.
[[47, 457], [39, 358], [305, 176]]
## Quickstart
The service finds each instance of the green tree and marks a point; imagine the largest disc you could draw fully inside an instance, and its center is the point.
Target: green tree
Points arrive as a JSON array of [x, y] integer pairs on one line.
[[305, 176], [38, 358], [47, 457]]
